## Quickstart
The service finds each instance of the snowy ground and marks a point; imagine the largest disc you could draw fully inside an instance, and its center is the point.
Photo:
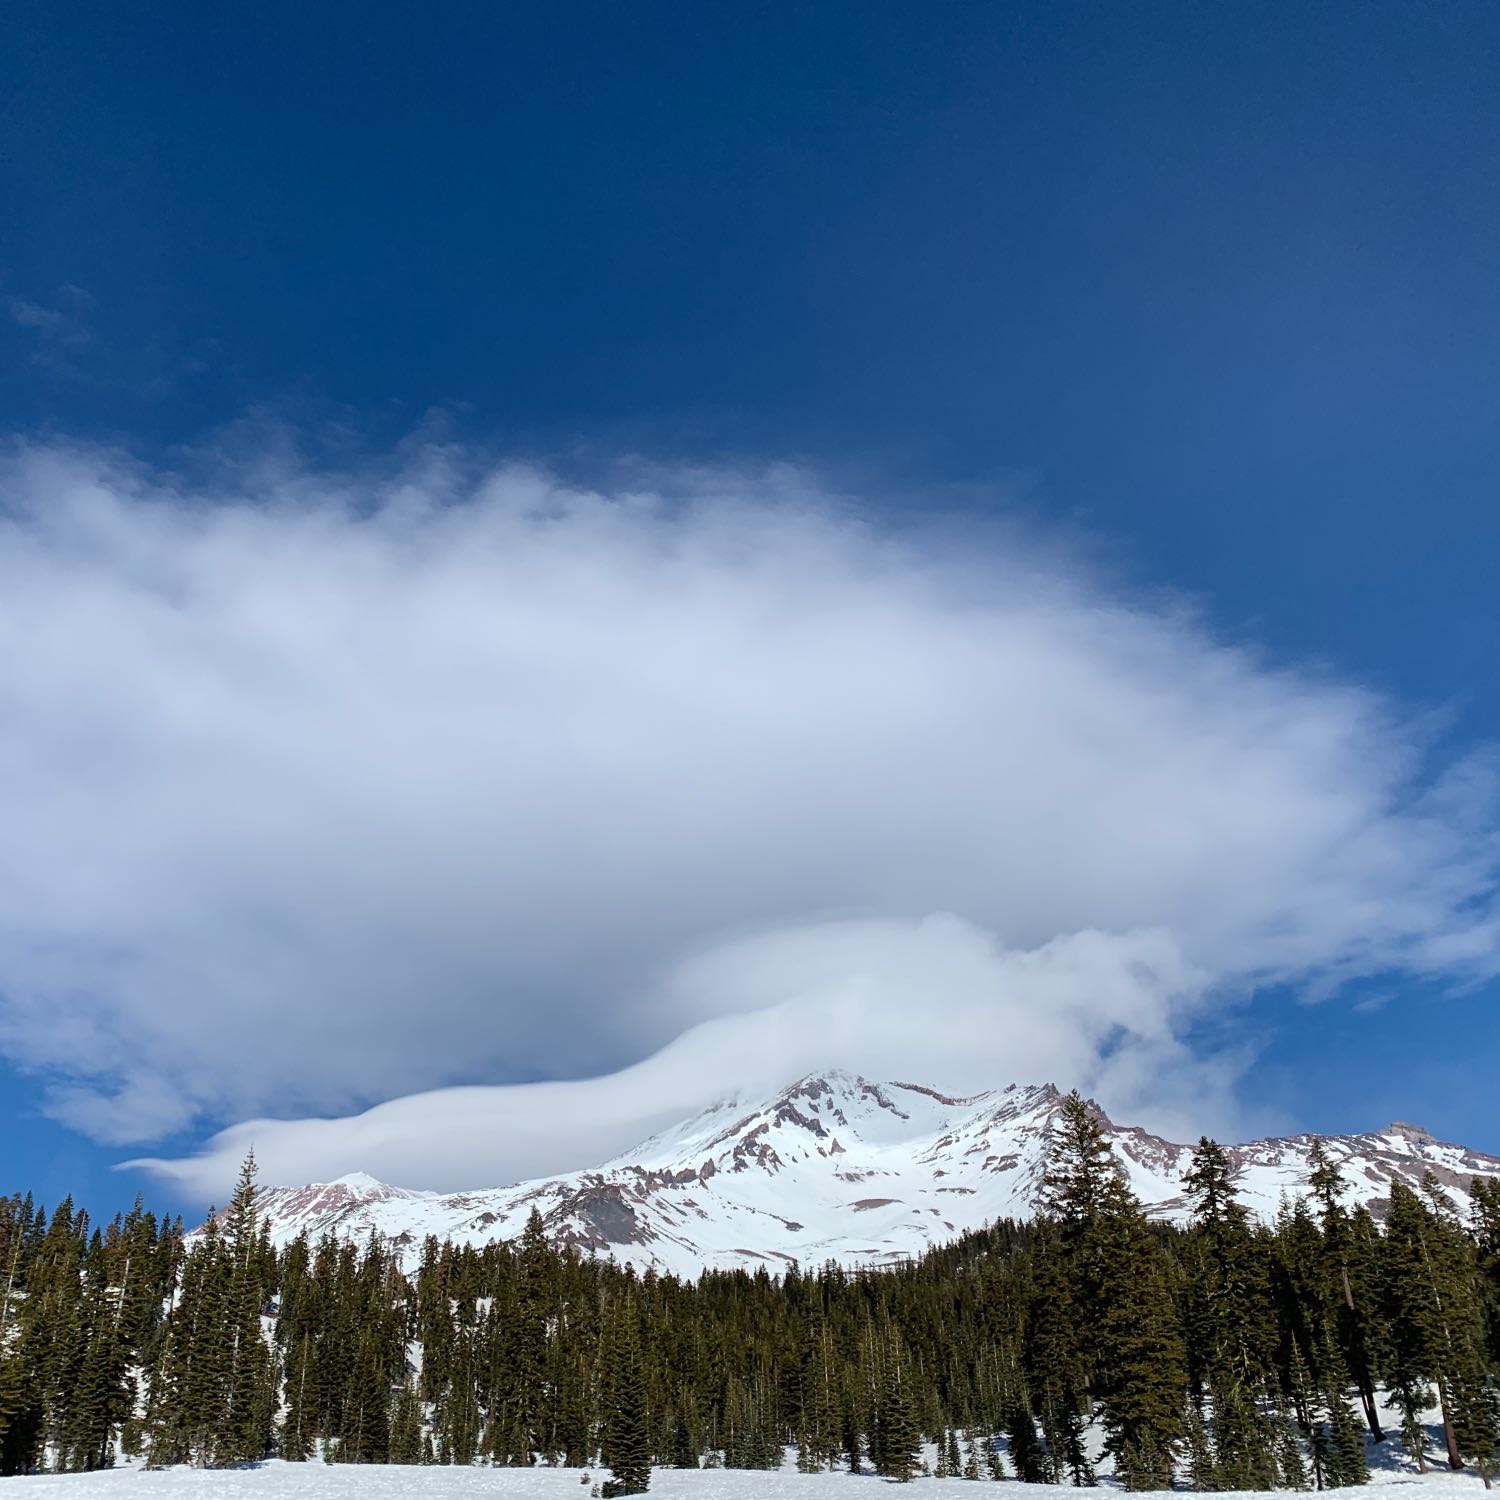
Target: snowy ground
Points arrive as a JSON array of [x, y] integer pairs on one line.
[[1390, 1465], [283, 1481], [317, 1481]]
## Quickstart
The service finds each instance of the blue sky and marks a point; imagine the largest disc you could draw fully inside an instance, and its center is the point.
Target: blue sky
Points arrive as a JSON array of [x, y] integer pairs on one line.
[[1206, 294]]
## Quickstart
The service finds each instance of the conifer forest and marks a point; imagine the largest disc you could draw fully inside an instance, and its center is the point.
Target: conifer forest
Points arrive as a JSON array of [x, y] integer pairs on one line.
[[1224, 1355]]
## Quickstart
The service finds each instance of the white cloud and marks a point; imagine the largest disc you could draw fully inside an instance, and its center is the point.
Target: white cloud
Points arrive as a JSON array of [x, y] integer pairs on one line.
[[319, 790], [935, 999]]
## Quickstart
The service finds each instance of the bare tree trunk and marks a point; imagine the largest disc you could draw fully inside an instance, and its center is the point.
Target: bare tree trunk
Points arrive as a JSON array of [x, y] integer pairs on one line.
[[1455, 1459], [1361, 1365]]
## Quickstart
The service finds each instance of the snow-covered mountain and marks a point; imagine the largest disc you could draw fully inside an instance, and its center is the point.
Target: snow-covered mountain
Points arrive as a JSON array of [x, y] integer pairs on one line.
[[836, 1167]]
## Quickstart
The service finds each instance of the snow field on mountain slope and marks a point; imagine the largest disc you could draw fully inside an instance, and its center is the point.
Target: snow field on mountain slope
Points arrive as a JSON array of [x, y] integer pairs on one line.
[[885, 1152], [832, 1167]]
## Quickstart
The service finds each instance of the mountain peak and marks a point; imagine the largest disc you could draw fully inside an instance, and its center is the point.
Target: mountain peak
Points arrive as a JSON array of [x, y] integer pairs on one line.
[[359, 1182], [827, 1081], [837, 1166]]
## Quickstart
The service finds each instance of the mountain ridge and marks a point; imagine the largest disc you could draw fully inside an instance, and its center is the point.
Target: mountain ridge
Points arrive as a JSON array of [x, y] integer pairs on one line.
[[835, 1166]]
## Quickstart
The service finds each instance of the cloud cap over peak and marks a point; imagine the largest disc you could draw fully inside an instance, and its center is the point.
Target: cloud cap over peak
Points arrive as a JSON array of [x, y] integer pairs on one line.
[[323, 789]]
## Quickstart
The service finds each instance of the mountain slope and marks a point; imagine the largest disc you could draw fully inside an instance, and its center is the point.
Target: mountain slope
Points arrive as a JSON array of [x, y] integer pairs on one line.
[[837, 1167]]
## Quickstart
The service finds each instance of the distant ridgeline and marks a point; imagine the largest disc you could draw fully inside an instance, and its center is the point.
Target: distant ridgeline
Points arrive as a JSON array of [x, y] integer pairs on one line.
[[1224, 1354], [837, 1167]]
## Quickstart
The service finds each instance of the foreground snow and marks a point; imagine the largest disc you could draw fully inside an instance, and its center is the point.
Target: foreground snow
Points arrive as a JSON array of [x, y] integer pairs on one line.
[[1389, 1465], [283, 1481], [317, 1481]]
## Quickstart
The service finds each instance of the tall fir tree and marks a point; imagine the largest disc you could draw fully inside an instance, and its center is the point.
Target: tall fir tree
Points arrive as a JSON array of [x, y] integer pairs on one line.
[[626, 1419], [299, 1427], [1347, 1267], [1231, 1335], [1435, 1309], [1142, 1360], [1137, 1368]]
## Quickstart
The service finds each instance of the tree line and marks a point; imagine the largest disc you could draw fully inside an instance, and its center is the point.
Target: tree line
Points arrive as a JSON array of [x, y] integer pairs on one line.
[[1225, 1354]]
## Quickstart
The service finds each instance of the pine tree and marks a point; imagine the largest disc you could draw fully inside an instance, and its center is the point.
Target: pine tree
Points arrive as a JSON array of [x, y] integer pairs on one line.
[[1203, 1472], [943, 1466], [897, 1443], [1054, 1363], [1081, 1170], [1231, 1337], [1344, 1446], [1142, 1361], [299, 1428], [1477, 1422], [683, 1451], [1291, 1467], [518, 1436], [100, 1393], [187, 1418], [971, 1456], [1341, 1252], [573, 1434], [626, 1421], [1484, 1200], [20, 1410], [818, 1420], [19, 1414], [244, 1435], [406, 1427], [1435, 1308], [1025, 1452], [365, 1433]]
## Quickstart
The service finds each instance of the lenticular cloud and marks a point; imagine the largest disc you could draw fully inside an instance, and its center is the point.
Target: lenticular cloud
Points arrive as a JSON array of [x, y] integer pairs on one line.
[[323, 790]]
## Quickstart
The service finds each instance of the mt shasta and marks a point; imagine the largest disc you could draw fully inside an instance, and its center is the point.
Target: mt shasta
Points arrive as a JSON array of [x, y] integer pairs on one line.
[[835, 1167]]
